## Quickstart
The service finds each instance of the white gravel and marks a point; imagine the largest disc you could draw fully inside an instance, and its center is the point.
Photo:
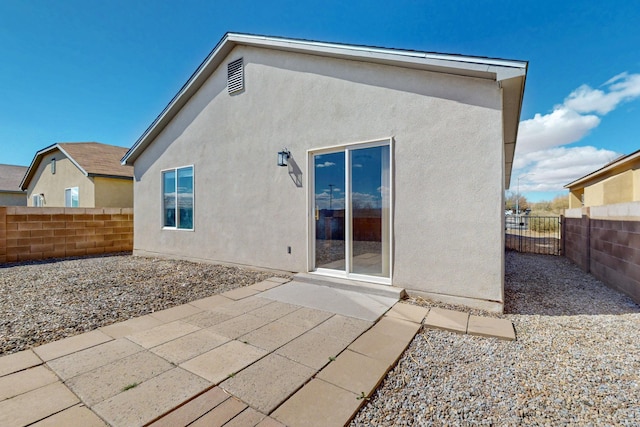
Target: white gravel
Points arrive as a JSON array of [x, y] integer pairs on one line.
[[45, 301], [576, 360]]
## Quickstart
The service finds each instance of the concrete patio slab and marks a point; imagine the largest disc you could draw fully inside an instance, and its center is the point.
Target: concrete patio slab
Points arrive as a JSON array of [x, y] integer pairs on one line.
[[354, 372], [162, 334], [343, 328], [150, 399], [76, 416], [409, 312], [448, 320], [275, 310], [26, 380], [243, 306], [348, 303], [35, 405], [18, 361], [233, 328], [189, 346], [70, 345], [319, 404], [175, 313], [313, 349], [192, 410], [110, 379], [307, 317], [491, 327], [222, 413], [269, 422], [131, 326], [240, 293], [268, 382], [207, 318], [221, 362], [379, 346], [273, 335], [211, 302], [87, 360]]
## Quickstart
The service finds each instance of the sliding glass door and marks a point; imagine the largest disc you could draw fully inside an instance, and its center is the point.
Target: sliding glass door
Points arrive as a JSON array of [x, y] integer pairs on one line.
[[352, 211]]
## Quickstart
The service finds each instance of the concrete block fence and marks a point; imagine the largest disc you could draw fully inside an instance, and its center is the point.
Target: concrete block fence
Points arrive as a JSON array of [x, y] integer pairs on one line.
[[605, 241], [35, 233]]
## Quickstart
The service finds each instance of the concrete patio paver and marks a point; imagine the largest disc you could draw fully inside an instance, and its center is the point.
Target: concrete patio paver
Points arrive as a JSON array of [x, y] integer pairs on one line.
[[275, 310], [151, 398], [379, 346], [265, 285], [273, 335], [319, 404], [162, 334], [110, 379], [218, 364], [36, 404], [354, 372], [249, 417], [89, 359], [307, 317], [491, 327], [343, 328], [211, 302], [237, 326], [176, 313], [313, 349], [189, 346], [243, 306], [18, 361], [70, 345], [240, 293], [24, 381], [192, 410], [410, 312], [222, 413], [131, 326], [448, 320], [76, 416], [268, 382], [207, 318]]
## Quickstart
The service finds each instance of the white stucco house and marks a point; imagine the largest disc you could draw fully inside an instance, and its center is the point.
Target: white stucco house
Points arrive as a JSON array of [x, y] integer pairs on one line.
[[368, 164]]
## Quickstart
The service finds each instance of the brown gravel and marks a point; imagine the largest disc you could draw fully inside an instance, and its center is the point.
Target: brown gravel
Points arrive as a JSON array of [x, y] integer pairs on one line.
[[46, 301]]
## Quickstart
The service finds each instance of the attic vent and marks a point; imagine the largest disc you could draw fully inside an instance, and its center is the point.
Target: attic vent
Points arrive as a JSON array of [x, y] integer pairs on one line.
[[235, 76]]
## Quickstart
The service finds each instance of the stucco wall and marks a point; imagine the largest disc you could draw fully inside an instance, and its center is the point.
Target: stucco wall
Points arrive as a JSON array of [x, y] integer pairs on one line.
[[113, 192], [448, 168], [53, 185], [13, 199]]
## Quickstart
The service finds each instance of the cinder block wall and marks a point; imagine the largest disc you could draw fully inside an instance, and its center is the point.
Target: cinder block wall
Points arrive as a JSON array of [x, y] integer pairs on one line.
[[605, 241], [30, 233]]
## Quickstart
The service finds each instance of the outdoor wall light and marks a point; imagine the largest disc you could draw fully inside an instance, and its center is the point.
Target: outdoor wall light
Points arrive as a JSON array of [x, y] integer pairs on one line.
[[283, 157]]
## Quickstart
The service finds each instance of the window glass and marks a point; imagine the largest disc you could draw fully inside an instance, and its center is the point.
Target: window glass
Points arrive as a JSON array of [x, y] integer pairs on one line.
[[169, 198], [177, 205], [71, 199], [185, 198]]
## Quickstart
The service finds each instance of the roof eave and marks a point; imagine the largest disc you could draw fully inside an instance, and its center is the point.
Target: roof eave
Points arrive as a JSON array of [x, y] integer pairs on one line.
[[606, 168], [493, 69]]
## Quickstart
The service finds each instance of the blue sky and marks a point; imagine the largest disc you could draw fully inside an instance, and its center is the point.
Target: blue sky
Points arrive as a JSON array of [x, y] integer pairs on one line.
[[103, 70]]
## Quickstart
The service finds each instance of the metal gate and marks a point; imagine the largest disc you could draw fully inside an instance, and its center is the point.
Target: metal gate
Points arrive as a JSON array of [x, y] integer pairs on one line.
[[534, 234]]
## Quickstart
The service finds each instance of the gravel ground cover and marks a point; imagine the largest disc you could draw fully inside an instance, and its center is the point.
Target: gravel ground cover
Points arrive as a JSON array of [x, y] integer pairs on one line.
[[46, 301], [576, 360]]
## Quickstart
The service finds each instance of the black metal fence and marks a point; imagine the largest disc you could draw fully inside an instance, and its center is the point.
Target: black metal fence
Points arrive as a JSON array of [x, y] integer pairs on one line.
[[534, 234]]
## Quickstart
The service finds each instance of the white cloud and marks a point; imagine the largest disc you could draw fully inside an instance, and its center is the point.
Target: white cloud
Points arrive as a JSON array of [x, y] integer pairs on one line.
[[541, 161], [325, 165], [553, 168]]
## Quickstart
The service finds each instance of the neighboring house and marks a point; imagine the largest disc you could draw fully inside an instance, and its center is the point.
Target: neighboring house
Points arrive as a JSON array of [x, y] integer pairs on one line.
[[79, 174], [616, 182], [10, 192], [396, 164]]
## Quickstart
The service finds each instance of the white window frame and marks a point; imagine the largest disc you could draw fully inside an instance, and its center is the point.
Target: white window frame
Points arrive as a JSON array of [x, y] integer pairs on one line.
[[193, 205], [36, 200], [70, 189]]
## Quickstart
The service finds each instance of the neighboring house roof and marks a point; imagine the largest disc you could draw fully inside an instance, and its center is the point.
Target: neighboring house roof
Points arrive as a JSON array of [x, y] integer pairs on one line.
[[510, 74], [620, 162], [91, 158], [10, 178]]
